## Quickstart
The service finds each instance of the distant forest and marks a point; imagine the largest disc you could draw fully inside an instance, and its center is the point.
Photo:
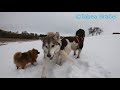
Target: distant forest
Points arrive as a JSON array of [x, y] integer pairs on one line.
[[22, 35]]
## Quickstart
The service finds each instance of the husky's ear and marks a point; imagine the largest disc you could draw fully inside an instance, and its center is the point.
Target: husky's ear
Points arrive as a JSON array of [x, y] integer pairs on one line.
[[57, 36]]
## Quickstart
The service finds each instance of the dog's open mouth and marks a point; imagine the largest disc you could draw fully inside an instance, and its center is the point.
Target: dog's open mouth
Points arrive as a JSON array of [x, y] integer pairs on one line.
[[51, 58]]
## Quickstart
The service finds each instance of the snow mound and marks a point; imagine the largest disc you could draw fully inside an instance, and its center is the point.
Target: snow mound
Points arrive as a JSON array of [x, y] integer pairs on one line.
[[99, 59]]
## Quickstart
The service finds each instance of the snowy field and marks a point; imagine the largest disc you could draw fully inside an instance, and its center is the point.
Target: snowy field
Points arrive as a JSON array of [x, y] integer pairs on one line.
[[100, 58]]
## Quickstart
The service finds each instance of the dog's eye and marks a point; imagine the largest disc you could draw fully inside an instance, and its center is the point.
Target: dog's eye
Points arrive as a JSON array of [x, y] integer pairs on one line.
[[46, 46], [52, 46]]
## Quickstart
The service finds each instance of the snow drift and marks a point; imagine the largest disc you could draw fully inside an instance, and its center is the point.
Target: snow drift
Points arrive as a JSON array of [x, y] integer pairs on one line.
[[99, 59]]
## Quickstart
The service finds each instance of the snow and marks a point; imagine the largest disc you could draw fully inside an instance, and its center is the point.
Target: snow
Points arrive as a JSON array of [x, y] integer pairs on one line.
[[99, 59], [105, 49]]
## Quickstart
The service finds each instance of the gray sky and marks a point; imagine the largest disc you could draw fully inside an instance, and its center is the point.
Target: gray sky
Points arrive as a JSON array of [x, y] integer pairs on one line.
[[64, 22]]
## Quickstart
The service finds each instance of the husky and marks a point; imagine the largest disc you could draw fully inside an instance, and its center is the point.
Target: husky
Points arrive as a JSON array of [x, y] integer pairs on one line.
[[56, 51]]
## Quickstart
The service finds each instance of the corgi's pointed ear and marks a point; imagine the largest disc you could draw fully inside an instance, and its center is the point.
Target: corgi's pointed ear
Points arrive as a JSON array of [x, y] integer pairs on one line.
[[57, 36]]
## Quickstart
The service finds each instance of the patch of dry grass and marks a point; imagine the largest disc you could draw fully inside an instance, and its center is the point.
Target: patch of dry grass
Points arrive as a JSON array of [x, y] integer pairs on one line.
[[13, 40]]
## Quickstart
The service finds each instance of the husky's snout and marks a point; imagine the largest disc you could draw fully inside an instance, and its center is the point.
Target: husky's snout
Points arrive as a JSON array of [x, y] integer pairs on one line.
[[48, 55]]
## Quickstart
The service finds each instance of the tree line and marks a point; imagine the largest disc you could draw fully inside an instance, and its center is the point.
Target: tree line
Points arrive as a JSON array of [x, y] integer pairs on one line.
[[22, 35]]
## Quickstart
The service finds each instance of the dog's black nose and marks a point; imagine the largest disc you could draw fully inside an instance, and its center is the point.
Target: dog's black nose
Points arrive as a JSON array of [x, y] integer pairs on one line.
[[48, 55], [38, 53]]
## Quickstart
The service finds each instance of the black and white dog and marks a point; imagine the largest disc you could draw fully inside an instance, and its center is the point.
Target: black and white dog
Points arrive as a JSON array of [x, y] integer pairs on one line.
[[76, 41], [80, 34]]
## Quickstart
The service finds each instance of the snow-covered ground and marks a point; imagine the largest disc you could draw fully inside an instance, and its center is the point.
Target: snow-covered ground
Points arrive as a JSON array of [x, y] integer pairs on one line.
[[100, 58]]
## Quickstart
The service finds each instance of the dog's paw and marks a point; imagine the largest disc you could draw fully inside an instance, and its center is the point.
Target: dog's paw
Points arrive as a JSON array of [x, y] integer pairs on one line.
[[77, 57], [74, 54], [57, 63], [34, 64], [60, 63]]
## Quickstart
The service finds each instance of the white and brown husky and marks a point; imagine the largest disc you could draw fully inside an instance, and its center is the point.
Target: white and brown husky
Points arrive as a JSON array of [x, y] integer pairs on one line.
[[56, 51]]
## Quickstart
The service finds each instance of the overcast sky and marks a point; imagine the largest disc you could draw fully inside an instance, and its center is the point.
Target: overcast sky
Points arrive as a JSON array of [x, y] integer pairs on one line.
[[64, 22]]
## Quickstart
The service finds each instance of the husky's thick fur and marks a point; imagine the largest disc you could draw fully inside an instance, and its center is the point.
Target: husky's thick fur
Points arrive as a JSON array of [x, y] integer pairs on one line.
[[55, 50], [22, 59]]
